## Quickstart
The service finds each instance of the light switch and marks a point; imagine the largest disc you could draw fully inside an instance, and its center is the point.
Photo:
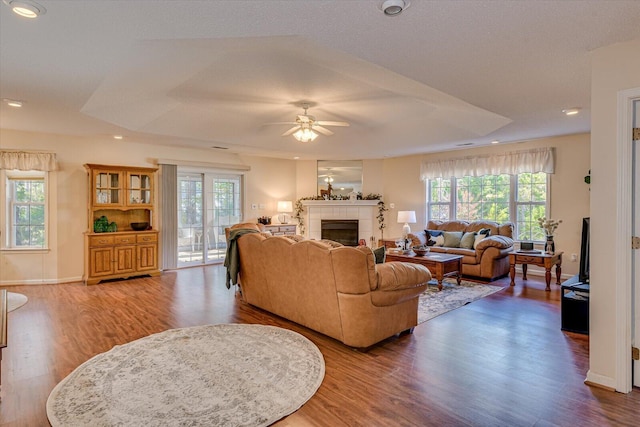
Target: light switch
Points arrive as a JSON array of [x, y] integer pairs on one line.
[[261, 206]]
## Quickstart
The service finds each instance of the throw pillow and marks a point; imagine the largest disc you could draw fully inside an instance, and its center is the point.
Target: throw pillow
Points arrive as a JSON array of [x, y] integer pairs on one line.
[[432, 237], [380, 254], [482, 233], [468, 239], [478, 238], [452, 239]]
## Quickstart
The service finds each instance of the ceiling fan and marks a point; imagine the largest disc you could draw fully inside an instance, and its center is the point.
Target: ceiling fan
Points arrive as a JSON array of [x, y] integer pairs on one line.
[[306, 126]]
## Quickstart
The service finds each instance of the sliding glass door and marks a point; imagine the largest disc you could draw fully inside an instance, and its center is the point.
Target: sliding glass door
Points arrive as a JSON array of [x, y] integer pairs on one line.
[[207, 204]]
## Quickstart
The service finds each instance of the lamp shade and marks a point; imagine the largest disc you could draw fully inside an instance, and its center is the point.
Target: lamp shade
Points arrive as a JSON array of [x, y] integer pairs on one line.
[[285, 206], [407, 217]]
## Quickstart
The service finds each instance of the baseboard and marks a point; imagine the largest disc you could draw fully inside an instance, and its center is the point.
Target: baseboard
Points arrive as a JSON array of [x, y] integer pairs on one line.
[[40, 281], [600, 381], [533, 271]]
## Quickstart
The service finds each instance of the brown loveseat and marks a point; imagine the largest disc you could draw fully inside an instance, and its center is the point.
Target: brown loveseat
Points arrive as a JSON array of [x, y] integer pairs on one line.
[[338, 291], [489, 259]]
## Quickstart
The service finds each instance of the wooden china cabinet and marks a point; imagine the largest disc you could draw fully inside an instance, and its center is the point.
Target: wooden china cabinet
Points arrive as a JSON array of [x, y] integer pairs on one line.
[[113, 249]]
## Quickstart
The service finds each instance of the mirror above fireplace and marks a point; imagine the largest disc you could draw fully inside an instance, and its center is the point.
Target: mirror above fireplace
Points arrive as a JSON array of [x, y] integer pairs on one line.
[[341, 177]]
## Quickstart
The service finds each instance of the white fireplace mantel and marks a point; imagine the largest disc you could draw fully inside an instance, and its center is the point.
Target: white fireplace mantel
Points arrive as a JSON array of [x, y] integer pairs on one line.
[[365, 211]]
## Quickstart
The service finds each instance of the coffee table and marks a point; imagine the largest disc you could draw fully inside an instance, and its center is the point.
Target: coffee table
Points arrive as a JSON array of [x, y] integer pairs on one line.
[[440, 265]]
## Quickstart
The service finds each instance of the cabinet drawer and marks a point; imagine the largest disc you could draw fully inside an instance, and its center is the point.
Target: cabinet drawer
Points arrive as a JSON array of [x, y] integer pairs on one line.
[[100, 240], [529, 259], [125, 239], [147, 238]]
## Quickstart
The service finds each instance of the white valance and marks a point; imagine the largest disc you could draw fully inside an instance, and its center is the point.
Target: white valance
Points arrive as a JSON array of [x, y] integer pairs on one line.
[[533, 161], [27, 161]]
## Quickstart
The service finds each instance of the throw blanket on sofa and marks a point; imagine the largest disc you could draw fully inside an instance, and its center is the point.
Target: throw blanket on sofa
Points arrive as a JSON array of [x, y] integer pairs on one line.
[[232, 261]]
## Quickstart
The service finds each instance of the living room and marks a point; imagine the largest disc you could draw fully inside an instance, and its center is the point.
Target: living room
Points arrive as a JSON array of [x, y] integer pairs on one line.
[[614, 69]]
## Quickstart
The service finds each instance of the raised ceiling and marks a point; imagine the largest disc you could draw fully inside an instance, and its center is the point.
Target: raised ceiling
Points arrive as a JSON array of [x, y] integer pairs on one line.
[[440, 76]]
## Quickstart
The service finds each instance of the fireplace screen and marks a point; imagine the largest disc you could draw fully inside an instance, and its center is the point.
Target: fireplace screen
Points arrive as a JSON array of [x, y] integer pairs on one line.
[[344, 231]]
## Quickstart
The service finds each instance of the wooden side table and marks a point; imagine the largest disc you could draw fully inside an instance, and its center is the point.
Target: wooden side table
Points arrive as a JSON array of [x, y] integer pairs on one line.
[[541, 260]]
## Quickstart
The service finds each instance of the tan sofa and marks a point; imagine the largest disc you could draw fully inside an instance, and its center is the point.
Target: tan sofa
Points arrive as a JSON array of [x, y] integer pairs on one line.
[[338, 291], [489, 260]]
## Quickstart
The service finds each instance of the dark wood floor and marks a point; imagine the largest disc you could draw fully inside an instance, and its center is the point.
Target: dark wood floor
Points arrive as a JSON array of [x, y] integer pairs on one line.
[[500, 361]]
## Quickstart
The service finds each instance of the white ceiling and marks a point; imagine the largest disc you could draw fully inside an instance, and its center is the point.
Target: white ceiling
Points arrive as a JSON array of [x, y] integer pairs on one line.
[[440, 76]]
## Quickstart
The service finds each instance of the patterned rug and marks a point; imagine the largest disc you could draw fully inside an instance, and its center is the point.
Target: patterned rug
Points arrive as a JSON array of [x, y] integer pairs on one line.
[[434, 303], [213, 375], [15, 301]]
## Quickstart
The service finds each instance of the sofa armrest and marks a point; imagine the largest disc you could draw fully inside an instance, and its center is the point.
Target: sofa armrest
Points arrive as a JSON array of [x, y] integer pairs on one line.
[[500, 242], [398, 282], [400, 275]]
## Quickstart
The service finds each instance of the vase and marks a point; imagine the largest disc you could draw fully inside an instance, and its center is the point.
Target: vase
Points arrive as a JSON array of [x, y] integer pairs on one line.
[[550, 246]]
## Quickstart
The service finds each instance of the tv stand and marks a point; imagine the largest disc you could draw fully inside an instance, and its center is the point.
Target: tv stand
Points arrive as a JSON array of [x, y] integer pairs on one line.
[[574, 306]]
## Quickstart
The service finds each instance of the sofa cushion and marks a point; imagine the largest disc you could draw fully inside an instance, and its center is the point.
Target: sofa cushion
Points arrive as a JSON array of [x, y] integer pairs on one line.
[[452, 239], [468, 239]]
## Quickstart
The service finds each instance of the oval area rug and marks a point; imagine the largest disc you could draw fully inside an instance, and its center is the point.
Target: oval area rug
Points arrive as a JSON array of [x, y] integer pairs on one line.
[[213, 375]]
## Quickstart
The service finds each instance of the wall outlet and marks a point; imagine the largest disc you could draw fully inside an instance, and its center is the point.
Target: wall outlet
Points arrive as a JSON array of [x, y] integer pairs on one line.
[[574, 257]]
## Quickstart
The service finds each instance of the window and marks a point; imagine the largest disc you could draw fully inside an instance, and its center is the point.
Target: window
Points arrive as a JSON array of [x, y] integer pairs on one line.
[[26, 210], [521, 199]]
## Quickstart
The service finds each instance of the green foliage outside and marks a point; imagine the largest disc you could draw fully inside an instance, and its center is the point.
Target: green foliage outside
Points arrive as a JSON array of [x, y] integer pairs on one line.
[[29, 213], [489, 197]]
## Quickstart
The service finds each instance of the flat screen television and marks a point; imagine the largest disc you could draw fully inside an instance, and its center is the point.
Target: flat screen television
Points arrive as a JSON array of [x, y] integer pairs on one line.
[[584, 252]]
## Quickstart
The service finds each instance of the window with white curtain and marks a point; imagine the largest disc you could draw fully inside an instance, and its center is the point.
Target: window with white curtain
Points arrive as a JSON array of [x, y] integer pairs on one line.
[[504, 187], [24, 201]]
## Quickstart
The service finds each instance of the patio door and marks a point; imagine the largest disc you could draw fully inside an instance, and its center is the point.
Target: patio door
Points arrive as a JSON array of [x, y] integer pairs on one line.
[[207, 204]]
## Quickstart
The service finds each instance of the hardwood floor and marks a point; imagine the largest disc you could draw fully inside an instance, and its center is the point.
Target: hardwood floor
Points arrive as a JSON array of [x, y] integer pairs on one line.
[[500, 361]]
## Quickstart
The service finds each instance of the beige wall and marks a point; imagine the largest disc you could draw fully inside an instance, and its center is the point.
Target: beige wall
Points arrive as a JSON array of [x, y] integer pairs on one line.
[[268, 181], [569, 194], [615, 68]]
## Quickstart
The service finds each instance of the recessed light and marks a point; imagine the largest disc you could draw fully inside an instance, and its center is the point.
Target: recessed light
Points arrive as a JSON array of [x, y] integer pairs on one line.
[[13, 103], [394, 7], [117, 136], [495, 141], [571, 111], [26, 8], [296, 158]]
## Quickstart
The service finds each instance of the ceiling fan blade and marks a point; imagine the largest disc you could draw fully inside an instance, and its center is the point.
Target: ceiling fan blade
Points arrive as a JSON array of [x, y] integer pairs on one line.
[[330, 123], [322, 130], [290, 131], [280, 123]]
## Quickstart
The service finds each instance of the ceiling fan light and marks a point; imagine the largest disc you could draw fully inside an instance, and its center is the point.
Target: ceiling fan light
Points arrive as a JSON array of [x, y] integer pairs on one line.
[[305, 135], [26, 8]]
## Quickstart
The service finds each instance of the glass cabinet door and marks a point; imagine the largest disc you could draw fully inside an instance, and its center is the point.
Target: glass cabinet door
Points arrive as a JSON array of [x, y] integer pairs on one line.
[[107, 188], [139, 188]]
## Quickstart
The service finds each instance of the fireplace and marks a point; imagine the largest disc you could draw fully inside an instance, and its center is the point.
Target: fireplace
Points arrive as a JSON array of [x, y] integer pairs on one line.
[[343, 231]]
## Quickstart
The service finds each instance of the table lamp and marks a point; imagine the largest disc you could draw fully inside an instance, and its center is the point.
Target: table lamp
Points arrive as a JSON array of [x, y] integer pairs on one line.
[[284, 207], [406, 217]]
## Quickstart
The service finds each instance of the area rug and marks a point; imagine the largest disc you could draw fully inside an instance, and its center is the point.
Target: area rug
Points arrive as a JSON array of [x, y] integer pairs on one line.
[[434, 303], [213, 375], [15, 301]]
